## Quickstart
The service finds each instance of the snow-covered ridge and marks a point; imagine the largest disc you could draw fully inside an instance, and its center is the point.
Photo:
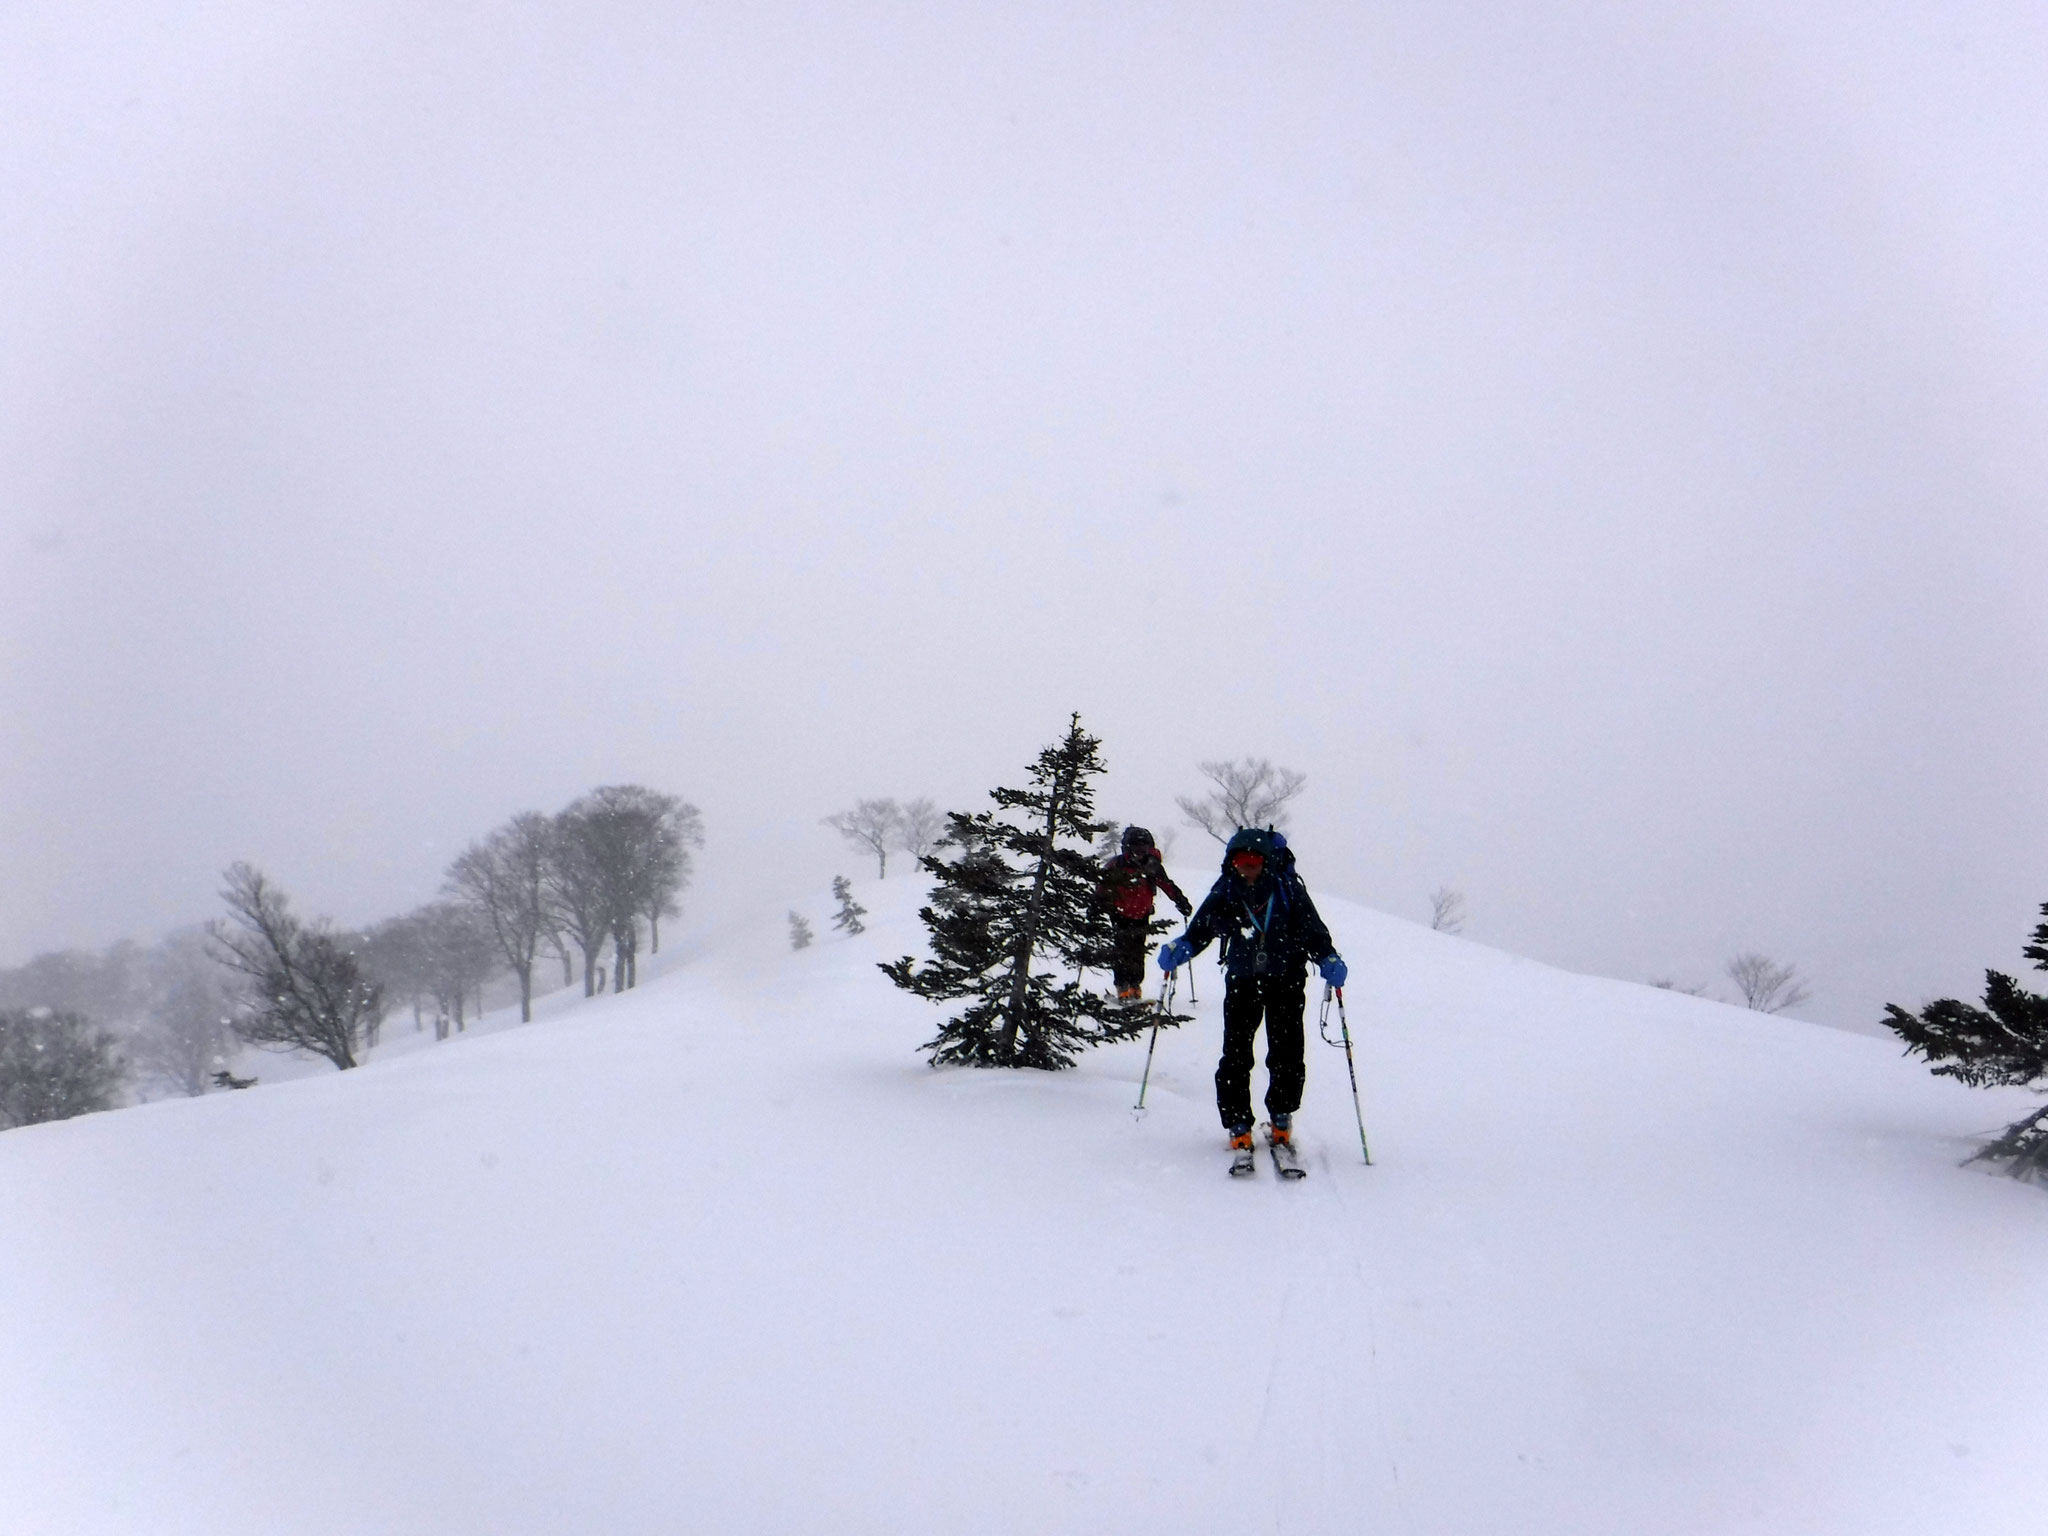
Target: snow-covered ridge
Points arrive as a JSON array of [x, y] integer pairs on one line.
[[722, 1255]]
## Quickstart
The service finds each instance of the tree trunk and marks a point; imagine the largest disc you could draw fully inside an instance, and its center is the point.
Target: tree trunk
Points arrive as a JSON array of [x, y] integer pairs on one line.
[[526, 993], [1020, 975], [625, 958]]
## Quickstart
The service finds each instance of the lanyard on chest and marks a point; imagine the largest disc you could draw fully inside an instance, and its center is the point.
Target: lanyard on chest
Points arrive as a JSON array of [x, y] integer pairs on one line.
[[1259, 923]]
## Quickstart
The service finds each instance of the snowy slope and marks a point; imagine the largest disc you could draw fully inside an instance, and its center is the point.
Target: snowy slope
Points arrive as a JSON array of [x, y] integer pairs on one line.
[[723, 1256]]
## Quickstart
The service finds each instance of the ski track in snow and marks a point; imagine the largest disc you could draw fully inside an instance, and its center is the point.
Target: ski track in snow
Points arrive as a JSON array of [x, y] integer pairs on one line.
[[721, 1255]]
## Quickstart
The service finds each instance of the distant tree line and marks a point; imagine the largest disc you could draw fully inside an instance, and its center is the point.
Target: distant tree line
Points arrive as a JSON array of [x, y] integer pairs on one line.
[[1762, 985], [578, 886], [586, 887], [155, 1017]]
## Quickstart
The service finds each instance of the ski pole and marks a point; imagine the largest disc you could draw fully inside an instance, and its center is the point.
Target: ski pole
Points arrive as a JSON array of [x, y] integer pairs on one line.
[[1166, 988], [1344, 1025]]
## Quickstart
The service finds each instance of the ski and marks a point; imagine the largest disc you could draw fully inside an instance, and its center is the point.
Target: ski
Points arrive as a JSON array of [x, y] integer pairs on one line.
[[1286, 1161], [1241, 1164]]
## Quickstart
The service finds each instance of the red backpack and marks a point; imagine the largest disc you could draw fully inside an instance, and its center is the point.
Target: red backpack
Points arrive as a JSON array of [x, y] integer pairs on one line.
[[1134, 898]]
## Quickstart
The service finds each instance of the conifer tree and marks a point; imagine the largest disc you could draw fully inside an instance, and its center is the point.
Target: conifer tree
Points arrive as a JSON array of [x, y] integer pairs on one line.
[[2001, 1044], [850, 911], [1015, 919], [799, 931], [54, 1065]]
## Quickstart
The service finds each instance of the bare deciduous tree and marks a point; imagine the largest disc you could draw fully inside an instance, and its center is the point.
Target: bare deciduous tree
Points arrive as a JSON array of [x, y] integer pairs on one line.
[[576, 895], [919, 827], [623, 855], [873, 825], [1447, 909], [186, 1033], [1765, 985], [442, 952], [459, 956], [564, 948], [53, 1065], [1251, 793], [678, 827], [110, 985], [503, 880], [303, 989], [164, 1006], [1689, 989], [394, 952]]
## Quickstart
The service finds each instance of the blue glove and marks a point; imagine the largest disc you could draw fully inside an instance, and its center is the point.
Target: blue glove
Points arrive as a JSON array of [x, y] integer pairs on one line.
[[1333, 968], [1174, 955]]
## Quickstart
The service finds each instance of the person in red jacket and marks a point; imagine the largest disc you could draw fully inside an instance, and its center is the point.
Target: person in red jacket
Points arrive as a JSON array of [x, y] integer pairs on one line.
[[1130, 883]]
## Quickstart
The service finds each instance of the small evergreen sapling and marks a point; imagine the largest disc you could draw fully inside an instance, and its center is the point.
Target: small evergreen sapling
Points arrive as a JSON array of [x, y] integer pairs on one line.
[[2003, 1043], [1015, 919], [850, 911], [799, 931]]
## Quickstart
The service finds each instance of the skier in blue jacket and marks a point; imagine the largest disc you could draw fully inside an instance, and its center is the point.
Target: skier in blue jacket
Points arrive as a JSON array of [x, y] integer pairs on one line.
[[1270, 930]]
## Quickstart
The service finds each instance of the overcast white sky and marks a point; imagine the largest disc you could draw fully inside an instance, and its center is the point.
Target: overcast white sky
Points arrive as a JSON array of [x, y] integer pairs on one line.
[[1603, 447]]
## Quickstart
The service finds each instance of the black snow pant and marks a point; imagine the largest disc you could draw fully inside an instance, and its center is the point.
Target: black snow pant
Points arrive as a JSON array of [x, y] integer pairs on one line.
[[1132, 937], [1280, 1001]]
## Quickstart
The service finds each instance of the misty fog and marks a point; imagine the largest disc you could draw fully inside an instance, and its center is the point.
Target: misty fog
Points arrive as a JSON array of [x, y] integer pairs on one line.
[[1601, 449]]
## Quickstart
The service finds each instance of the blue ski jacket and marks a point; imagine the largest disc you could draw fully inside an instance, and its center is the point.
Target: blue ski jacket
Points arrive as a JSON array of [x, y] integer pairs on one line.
[[1267, 927]]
